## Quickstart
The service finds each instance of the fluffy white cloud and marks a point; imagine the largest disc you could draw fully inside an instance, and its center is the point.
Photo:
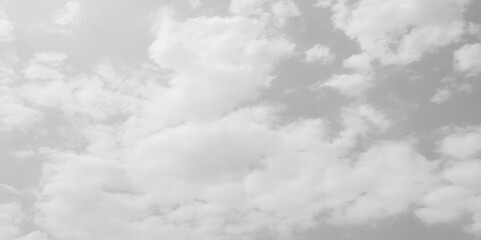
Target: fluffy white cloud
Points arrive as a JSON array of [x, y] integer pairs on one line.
[[358, 62], [228, 64], [6, 28], [445, 204], [385, 181], [323, 3], [11, 215], [441, 95], [190, 153], [98, 96], [351, 85], [45, 66], [15, 115], [36, 235], [271, 11], [467, 59], [195, 3], [70, 13], [464, 144], [230, 178], [458, 194], [399, 31], [319, 53]]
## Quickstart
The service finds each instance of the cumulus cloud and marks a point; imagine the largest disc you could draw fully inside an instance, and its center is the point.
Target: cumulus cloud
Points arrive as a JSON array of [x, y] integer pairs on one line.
[[457, 194], [441, 95], [235, 177], [11, 215], [228, 64], [319, 53], [351, 85], [401, 32], [467, 59], [358, 62], [194, 150], [271, 11], [195, 3], [6, 28], [462, 144], [70, 13], [16, 115], [44, 66], [323, 3]]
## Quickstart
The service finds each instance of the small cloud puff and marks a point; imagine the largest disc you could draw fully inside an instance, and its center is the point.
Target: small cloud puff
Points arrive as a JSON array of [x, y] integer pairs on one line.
[[70, 13], [6, 29], [320, 53]]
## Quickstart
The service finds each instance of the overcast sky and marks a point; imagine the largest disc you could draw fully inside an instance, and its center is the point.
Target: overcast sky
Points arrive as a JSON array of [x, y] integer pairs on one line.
[[240, 119]]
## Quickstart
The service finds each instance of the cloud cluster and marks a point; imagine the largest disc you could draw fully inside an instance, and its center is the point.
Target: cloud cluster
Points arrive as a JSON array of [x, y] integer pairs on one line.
[[458, 194], [401, 32], [320, 53], [276, 12], [6, 28], [467, 59], [70, 13], [193, 151]]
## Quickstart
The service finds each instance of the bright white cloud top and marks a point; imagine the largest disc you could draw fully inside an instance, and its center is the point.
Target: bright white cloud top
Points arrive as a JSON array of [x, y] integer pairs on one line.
[[241, 119]]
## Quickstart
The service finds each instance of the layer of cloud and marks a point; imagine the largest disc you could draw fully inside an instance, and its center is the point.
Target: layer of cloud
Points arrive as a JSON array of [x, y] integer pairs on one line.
[[193, 151]]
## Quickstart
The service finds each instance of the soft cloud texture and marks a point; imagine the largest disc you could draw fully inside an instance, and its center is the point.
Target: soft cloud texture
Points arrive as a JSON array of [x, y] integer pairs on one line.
[[6, 28], [401, 32], [270, 11], [194, 138], [467, 59], [351, 85], [319, 53], [70, 13]]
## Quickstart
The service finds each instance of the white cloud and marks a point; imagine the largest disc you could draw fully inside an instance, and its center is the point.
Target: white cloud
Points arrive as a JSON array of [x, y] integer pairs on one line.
[[15, 115], [456, 196], [445, 204], [401, 32], [319, 53], [34, 236], [463, 144], [234, 177], [70, 13], [227, 65], [467, 174], [274, 11], [191, 154], [45, 66], [10, 189], [358, 62], [195, 3], [323, 3], [11, 215], [467, 59], [6, 29], [441, 95], [284, 10], [385, 181], [351, 85], [474, 29]]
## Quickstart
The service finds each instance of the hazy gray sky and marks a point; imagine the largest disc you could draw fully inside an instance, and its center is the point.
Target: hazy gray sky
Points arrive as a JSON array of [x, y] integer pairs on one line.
[[240, 119]]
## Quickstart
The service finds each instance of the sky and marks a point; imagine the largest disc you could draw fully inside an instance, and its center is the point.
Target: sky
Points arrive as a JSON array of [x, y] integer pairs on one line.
[[240, 119]]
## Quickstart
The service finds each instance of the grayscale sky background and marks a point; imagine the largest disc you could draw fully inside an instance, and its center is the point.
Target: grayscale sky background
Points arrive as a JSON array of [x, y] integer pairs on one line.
[[240, 119]]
